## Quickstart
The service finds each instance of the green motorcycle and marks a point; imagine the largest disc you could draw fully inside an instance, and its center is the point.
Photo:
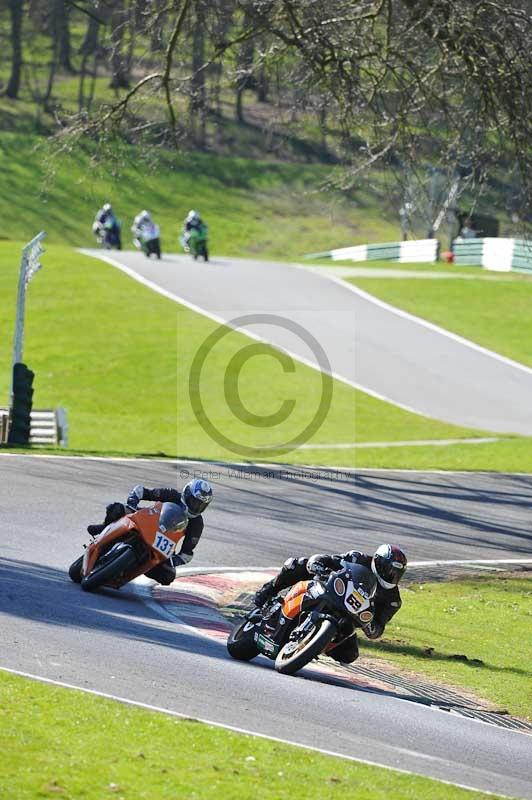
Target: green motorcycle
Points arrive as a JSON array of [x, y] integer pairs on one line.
[[195, 242]]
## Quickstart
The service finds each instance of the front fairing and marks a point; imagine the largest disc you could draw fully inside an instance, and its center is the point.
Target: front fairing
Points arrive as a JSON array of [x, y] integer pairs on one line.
[[351, 591]]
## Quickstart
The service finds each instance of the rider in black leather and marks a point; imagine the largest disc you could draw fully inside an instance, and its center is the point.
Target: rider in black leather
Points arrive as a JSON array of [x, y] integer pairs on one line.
[[388, 564], [195, 497]]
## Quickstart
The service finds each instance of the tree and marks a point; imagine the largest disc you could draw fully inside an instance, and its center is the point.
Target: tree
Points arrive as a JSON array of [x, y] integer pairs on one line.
[[61, 25], [16, 8], [119, 63], [405, 81]]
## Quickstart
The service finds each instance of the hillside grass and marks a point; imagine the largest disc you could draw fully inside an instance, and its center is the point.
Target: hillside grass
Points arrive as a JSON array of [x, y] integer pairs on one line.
[[118, 357], [102, 748], [254, 208]]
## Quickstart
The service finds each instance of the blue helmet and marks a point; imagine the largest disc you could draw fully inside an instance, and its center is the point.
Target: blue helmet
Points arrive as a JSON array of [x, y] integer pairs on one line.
[[196, 495]]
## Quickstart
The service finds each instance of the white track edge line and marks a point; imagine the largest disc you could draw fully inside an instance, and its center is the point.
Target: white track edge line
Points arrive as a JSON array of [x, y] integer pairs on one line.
[[244, 731], [424, 323], [271, 465], [221, 321], [189, 571]]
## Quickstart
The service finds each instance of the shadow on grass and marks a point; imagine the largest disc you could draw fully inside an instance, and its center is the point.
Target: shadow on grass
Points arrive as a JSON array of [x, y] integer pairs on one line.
[[425, 654]]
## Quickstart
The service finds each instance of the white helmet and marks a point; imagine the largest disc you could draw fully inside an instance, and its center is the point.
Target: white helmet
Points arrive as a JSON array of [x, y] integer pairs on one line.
[[192, 216]]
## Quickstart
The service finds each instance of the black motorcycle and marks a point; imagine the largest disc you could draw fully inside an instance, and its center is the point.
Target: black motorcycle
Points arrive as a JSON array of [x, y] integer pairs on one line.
[[109, 235], [312, 618]]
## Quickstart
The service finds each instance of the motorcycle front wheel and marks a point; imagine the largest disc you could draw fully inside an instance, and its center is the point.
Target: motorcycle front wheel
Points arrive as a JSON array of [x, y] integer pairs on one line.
[[296, 654], [241, 644], [124, 560], [74, 571]]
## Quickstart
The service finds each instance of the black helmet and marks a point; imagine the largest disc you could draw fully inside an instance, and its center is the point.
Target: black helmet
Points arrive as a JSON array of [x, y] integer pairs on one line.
[[388, 564], [196, 495]]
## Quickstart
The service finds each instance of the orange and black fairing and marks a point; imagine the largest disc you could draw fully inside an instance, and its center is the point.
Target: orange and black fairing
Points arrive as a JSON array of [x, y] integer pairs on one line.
[[143, 523], [293, 600]]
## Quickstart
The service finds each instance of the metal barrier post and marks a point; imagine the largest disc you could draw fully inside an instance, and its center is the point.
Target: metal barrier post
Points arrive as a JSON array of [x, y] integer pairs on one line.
[[29, 265]]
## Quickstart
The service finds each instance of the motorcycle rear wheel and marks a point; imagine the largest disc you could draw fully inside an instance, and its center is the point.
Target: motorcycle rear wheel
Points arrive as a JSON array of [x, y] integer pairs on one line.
[[124, 560], [241, 644], [308, 648]]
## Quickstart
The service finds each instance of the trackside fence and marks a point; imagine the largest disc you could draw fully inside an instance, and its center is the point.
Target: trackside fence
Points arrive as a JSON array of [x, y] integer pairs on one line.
[[411, 251], [500, 255], [48, 426]]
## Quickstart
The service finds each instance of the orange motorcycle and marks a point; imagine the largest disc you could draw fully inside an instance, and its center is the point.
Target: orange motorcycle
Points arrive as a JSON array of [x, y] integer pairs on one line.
[[313, 618], [130, 547]]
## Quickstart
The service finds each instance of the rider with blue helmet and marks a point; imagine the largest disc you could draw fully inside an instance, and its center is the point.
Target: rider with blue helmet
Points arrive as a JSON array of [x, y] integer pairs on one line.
[[195, 497]]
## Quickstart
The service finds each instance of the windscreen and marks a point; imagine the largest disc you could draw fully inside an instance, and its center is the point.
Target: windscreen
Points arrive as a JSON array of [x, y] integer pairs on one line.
[[362, 577], [173, 518]]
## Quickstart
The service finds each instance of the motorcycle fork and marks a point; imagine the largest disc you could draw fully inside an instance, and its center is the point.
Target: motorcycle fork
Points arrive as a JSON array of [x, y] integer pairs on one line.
[[275, 625]]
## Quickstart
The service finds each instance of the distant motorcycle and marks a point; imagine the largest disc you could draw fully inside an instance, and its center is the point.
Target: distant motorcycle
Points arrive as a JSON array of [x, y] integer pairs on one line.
[[130, 547], [108, 234], [148, 240], [194, 242], [311, 619]]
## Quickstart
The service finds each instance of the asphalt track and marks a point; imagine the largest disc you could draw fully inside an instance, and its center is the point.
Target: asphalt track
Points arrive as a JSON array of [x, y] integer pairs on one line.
[[367, 343], [116, 643]]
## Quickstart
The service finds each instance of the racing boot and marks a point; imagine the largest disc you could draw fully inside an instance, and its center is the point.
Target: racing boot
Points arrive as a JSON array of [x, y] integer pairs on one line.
[[264, 594], [95, 530]]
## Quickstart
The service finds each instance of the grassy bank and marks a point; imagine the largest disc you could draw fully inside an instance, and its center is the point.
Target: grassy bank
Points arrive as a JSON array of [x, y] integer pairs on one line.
[[146, 757], [118, 357], [254, 208], [469, 633]]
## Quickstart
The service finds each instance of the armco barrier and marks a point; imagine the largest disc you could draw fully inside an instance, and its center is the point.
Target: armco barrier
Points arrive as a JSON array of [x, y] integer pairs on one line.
[[522, 255], [500, 255], [4, 426], [47, 426], [416, 250]]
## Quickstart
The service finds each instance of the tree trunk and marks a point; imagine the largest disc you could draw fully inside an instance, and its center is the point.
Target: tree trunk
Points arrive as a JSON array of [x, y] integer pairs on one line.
[[155, 27], [197, 86], [13, 85], [244, 68], [62, 32], [119, 69], [90, 41], [263, 84]]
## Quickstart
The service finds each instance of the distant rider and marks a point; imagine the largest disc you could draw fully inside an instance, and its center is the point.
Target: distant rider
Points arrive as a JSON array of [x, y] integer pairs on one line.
[[388, 564], [195, 497], [141, 221], [193, 221], [105, 218]]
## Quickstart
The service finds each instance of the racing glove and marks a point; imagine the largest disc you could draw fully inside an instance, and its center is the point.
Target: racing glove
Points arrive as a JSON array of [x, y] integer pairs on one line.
[[316, 567], [135, 496], [373, 629]]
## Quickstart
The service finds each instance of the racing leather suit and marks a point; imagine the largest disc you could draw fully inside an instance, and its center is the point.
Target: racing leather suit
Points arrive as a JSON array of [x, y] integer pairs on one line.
[[387, 602]]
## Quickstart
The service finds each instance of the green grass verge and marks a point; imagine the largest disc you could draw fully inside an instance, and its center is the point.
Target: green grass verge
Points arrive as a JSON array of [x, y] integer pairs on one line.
[[483, 618], [254, 208], [494, 311], [508, 455], [118, 356], [63, 743]]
